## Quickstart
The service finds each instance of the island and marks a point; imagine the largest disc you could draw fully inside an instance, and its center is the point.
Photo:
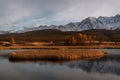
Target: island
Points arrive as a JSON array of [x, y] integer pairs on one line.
[[56, 55]]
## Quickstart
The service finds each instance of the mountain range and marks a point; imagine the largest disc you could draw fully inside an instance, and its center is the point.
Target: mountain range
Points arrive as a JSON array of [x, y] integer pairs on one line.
[[109, 23]]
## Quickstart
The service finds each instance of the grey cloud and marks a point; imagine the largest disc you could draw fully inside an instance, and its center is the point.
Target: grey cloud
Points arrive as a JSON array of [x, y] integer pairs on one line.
[[12, 11]]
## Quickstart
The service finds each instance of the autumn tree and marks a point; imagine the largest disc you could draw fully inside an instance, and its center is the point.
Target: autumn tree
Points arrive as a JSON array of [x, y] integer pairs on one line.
[[81, 39], [90, 39], [71, 40], [12, 40], [94, 38]]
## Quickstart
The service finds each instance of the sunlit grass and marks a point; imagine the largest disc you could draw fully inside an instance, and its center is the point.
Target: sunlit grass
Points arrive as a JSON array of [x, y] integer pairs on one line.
[[55, 55]]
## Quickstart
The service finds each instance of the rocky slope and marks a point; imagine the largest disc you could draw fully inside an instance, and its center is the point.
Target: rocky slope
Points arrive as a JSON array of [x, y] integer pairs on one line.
[[111, 23]]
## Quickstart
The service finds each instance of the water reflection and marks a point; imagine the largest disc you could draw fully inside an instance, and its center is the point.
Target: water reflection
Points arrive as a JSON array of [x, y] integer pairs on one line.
[[101, 69], [81, 70], [99, 66], [107, 68]]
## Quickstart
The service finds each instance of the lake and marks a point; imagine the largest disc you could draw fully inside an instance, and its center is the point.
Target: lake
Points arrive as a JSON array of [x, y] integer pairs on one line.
[[107, 68]]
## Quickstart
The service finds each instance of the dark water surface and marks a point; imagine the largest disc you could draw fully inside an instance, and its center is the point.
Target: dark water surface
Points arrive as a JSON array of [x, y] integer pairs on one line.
[[107, 68]]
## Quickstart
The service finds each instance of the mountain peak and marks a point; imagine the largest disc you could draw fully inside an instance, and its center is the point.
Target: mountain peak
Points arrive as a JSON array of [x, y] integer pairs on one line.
[[101, 22], [91, 18], [117, 15]]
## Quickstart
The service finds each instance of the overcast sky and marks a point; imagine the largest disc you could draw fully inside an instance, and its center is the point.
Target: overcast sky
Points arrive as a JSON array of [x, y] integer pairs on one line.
[[16, 14]]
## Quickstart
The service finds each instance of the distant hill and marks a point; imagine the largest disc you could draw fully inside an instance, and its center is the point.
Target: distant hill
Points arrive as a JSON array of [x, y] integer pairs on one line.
[[58, 35], [4, 32]]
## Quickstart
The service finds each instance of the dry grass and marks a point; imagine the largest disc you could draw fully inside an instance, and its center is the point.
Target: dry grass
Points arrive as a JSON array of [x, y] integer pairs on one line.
[[55, 55], [59, 47]]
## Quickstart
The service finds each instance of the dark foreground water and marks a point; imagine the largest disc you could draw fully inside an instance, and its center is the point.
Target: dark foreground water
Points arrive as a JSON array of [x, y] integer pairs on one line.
[[105, 69]]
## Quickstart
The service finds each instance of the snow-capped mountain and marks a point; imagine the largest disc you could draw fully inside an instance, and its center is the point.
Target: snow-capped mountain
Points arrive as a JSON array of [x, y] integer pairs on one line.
[[96, 23], [88, 23], [112, 23]]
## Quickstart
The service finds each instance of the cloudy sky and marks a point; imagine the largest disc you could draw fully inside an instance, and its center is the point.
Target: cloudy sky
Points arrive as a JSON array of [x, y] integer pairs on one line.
[[16, 14]]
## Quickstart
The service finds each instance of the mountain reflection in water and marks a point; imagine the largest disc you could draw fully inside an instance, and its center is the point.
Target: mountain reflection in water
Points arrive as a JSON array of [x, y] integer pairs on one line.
[[108, 64], [107, 68]]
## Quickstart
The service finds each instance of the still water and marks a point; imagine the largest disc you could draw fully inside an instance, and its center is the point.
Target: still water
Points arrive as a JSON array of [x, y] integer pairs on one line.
[[104, 69]]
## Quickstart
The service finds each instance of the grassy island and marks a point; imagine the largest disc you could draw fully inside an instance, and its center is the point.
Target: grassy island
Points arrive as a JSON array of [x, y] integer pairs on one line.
[[56, 55]]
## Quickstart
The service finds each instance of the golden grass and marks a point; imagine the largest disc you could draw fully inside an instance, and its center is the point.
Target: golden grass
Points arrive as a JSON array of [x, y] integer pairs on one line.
[[59, 47], [55, 55]]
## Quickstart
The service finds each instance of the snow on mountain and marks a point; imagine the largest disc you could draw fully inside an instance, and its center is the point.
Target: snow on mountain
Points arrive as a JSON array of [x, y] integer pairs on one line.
[[112, 22], [88, 23], [98, 23]]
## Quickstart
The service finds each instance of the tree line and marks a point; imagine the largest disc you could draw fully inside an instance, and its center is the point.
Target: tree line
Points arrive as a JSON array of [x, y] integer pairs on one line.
[[82, 39]]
